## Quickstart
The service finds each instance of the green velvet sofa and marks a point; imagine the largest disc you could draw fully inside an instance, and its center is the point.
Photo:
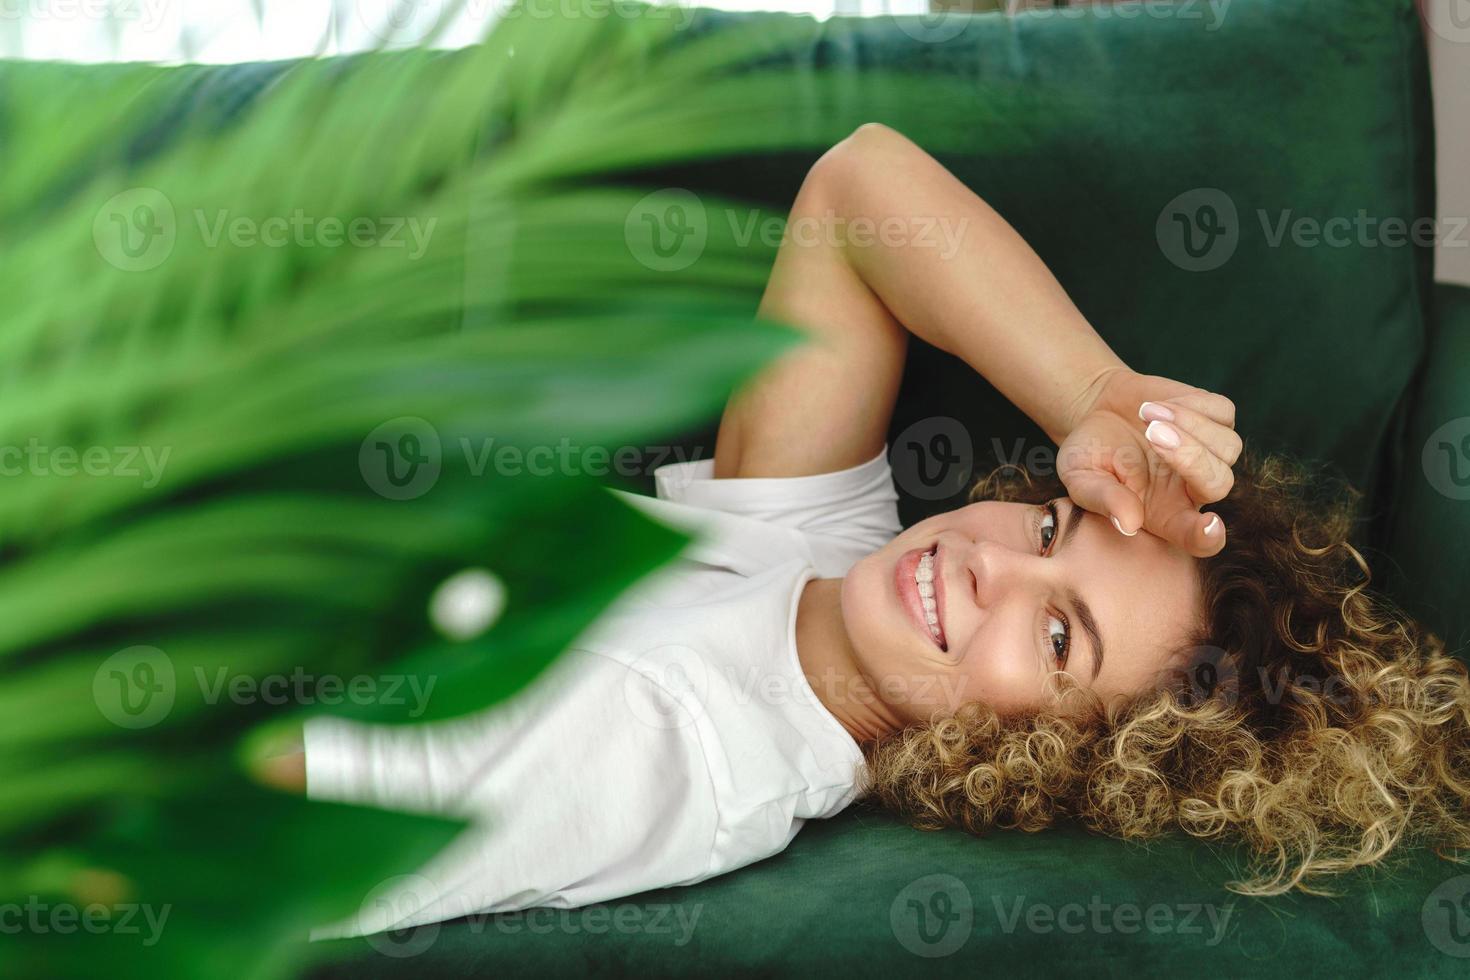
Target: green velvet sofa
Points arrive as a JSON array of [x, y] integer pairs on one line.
[[1228, 191]]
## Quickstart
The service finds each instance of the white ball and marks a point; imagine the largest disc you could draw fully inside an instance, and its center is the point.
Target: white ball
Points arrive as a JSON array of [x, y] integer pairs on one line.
[[467, 603]]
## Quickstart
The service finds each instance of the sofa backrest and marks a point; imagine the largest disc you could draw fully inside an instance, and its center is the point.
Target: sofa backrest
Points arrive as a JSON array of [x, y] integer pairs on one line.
[[1234, 193]]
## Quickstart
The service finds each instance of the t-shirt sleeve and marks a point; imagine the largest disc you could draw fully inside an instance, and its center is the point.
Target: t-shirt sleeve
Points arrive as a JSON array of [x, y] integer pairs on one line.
[[590, 785], [857, 505]]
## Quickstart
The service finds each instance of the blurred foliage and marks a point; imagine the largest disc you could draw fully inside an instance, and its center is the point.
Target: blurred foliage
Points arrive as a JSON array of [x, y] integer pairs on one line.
[[191, 416]]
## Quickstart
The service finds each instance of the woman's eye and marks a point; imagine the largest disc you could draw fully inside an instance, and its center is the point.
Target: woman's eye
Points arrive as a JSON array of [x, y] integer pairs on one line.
[[1058, 632], [1048, 526], [1059, 635]]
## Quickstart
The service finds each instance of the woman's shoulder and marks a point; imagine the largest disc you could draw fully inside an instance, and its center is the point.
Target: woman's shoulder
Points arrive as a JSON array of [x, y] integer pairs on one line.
[[747, 525]]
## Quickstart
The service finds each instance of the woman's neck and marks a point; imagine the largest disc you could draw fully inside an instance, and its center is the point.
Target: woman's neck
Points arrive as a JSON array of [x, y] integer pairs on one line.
[[830, 664]]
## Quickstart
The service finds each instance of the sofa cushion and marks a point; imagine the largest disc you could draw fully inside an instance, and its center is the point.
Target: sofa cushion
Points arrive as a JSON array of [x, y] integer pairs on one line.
[[1426, 564], [865, 896]]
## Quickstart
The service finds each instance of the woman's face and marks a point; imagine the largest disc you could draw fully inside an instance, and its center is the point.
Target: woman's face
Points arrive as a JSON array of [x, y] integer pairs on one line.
[[1019, 591]]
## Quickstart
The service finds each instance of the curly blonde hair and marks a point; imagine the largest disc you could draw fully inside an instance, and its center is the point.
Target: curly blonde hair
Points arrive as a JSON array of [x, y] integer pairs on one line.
[[1310, 717]]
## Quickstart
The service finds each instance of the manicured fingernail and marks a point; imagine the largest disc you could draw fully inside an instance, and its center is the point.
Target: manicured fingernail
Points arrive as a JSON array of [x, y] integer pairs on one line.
[[1154, 412], [1120, 529], [1213, 525], [1162, 434]]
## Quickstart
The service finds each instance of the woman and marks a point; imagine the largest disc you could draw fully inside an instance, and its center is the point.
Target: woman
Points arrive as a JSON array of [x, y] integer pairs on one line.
[[1028, 657]]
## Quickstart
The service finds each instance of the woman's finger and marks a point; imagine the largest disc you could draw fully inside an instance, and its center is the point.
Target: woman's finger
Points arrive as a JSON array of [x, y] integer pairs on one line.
[[1215, 407], [1219, 439], [1207, 477], [1101, 493], [1202, 535]]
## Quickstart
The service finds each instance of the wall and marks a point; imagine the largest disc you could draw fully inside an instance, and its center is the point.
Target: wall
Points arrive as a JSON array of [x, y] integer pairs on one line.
[[1448, 33]]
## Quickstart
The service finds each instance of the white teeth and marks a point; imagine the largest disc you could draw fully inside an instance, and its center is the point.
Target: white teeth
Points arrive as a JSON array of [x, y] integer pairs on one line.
[[924, 579]]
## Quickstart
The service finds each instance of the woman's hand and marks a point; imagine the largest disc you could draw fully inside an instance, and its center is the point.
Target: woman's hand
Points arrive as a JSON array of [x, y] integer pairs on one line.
[[1148, 452]]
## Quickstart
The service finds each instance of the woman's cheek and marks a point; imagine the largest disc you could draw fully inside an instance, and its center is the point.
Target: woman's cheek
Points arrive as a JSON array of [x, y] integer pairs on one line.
[[1003, 678]]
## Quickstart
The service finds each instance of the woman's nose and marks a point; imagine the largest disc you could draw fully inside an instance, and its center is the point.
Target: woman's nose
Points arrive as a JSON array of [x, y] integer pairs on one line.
[[993, 569]]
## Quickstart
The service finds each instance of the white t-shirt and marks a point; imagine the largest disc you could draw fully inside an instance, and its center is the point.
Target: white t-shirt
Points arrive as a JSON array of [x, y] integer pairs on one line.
[[676, 740]]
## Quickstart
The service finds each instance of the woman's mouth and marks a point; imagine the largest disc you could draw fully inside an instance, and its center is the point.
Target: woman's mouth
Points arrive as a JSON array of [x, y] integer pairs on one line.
[[921, 590]]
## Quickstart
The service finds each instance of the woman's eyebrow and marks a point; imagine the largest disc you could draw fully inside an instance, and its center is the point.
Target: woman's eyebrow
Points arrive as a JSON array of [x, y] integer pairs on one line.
[[1079, 606], [1074, 518]]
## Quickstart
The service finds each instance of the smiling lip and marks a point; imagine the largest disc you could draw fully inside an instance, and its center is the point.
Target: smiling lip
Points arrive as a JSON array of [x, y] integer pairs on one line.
[[908, 593]]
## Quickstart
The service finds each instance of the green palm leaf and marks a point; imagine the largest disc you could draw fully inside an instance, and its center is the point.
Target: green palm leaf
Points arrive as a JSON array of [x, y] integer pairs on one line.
[[534, 308]]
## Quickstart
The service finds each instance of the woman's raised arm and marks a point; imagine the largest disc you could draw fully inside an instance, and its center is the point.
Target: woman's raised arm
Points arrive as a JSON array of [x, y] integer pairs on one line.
[[882, 241]]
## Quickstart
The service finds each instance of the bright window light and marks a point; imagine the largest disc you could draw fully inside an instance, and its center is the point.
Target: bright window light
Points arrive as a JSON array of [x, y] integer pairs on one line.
[[223, 31]]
